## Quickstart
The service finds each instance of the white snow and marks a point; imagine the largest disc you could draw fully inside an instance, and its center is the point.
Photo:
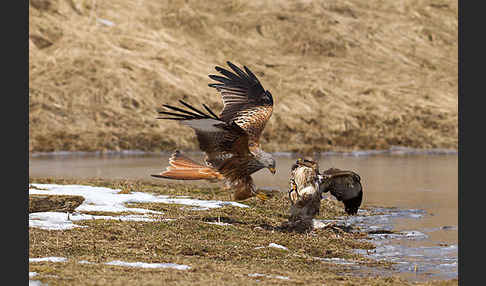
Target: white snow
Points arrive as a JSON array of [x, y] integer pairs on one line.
[[316, 224], [34, 282], [109, 200], [218, 223], [268, 276], [97, 198], [51, 221], [62, 221], [48, 259], [148, 265], [274, 245], [101, 199], [197, 203], [277, 246]]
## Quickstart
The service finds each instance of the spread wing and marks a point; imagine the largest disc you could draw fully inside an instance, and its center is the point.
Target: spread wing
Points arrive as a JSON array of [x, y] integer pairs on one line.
[[244, 99], [220, 140]]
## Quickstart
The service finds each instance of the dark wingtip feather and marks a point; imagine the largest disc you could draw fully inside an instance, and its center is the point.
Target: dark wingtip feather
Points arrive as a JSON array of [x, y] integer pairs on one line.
[[224, 80], [211, 112], [238, 70], [194, 115], [251, 74], [193, 108], [186, 114], [228, 74]]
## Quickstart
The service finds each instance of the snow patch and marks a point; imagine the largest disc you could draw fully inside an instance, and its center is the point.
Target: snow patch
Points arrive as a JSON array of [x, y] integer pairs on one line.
[[109, 200], [218, 223], [268, 276], [63, 221], [148, 265], [101, 199], [274, 245], [48, 259]]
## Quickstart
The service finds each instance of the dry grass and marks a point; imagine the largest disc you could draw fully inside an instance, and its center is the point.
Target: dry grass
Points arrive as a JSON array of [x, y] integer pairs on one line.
[[218, 255], [345, 74]]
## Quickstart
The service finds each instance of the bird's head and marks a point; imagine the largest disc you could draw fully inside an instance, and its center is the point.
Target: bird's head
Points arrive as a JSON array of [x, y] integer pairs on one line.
[[272, 166], [268, 162]]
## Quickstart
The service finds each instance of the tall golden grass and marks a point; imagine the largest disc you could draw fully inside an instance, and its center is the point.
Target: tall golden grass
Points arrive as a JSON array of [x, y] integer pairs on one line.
[[344, 74]]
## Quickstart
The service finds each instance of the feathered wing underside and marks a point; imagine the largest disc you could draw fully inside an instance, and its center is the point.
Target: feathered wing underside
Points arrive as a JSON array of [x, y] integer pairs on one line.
[[218, 139], [244, 99], [182, 168]]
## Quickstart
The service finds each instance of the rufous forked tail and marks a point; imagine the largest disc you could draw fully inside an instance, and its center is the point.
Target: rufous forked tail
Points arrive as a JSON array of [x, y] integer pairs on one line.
[[183, 168]]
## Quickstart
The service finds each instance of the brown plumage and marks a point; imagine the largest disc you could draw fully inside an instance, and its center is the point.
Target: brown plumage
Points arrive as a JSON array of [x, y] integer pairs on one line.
[[231, 140], [304, 195], [344, 185]]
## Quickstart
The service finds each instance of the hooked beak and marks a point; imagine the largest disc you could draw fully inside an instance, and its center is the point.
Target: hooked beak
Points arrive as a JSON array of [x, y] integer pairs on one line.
[[272, 170]]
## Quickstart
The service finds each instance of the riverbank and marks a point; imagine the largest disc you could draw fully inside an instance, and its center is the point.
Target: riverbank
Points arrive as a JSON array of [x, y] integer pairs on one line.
[[223, 245]]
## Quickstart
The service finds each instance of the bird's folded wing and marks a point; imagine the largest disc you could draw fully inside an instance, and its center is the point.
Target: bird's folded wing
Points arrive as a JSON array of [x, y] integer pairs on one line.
[[238, 167]]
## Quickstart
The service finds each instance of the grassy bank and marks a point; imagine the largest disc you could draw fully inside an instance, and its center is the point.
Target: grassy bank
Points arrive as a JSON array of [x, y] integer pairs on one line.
[[345, 75], [217, 254]]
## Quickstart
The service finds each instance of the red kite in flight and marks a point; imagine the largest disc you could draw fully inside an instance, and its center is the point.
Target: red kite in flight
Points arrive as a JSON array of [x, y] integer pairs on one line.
[[231, 140]]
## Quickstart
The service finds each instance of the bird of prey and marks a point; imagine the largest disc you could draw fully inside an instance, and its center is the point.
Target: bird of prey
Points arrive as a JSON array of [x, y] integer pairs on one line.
[[231, 141], [304, 194], [345, 186], [342, 184]]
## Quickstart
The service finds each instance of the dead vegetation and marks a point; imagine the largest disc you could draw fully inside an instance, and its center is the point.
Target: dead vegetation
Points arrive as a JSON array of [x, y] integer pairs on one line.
[[345, 74], [217, 254], [46, 203]]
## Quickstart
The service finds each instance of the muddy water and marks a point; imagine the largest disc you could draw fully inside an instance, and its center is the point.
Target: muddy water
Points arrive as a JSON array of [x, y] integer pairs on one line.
[[417, 194]]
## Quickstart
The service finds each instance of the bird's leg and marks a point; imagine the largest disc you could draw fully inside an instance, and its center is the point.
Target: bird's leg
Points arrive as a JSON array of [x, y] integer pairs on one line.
[[227, 188], [266, 193], [263, 197]]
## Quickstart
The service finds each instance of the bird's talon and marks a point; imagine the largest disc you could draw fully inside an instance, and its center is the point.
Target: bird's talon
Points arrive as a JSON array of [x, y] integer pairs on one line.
[[263, 197]]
